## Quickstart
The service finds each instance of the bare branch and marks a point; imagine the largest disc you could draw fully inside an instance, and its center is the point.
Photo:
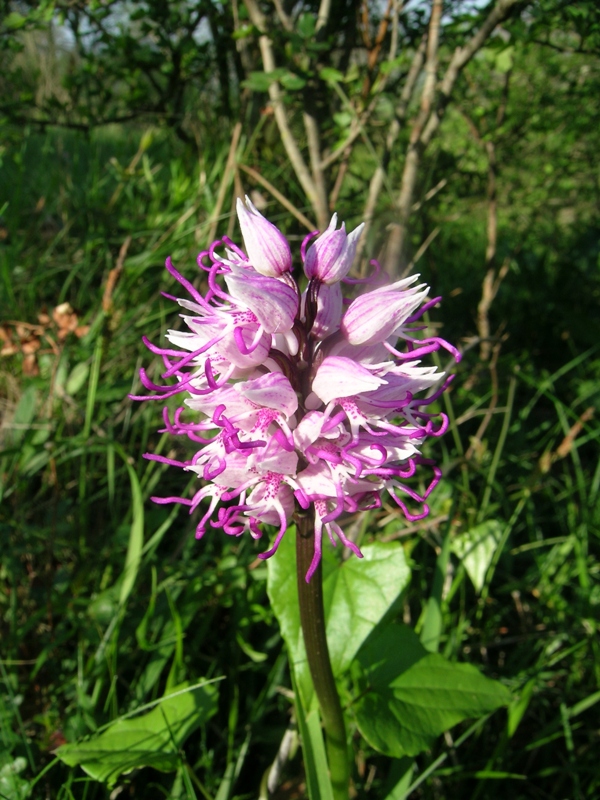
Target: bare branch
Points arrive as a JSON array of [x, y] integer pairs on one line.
[[395, 244], [427, 124], [314, 150], [283, 17], [378, 178], [225, 181], [278, 196], [431, 193], [422, 250], [287, 137], [323, 15]]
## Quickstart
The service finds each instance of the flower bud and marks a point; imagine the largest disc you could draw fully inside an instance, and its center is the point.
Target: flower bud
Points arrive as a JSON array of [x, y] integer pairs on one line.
[[330, 257], [267, 248]]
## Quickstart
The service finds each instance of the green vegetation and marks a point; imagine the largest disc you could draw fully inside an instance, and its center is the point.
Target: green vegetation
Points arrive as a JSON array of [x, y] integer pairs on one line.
[[107, 602]]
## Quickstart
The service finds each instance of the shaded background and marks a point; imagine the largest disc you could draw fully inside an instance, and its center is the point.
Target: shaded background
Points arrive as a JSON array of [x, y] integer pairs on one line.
[[127, 131]]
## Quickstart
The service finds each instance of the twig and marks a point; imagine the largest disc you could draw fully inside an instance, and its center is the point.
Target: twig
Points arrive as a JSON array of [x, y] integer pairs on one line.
[[397, 237], [225, 180], [379, 175], [323, 15], [421, 250], [113, 277], [423, 131], [431, 193], [314, 151], [287, 137], [283, 17], [278, 196]]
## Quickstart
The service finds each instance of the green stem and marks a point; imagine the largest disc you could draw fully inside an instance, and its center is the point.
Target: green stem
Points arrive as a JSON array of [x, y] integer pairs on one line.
[[312, 618]]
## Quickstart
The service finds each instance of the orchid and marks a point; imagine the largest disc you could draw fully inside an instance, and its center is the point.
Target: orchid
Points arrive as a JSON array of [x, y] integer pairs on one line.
[[298, 399]]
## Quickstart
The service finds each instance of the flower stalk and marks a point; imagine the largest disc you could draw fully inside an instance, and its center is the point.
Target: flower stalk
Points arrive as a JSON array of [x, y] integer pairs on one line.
[[312, 618]]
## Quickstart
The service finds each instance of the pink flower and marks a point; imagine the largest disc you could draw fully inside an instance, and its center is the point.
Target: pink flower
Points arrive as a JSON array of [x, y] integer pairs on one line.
[[292, 401]]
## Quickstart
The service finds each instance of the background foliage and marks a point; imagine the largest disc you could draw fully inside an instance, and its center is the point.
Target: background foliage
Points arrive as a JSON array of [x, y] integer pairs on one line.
[[128, 129]]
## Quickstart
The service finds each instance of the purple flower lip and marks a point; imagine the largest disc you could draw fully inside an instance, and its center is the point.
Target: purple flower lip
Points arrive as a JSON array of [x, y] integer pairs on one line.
[[295, 401]]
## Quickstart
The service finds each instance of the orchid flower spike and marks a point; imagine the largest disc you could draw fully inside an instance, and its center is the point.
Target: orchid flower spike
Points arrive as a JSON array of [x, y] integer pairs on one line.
[[297, 400]]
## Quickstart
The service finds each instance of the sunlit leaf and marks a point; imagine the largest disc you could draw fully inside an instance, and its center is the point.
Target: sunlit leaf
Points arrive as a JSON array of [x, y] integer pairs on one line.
[[151, 739], [476, 548], [408, 696], [357, 594]]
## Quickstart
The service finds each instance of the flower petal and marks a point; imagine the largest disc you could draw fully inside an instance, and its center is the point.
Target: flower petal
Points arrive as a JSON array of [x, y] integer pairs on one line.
[[374, 316], [272, 302], [341, 377], [268, 249]]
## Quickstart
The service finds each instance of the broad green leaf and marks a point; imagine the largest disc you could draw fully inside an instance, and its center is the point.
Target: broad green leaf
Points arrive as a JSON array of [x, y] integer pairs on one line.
[[151, 739], [357, 593], [408, 696], [476, 548]]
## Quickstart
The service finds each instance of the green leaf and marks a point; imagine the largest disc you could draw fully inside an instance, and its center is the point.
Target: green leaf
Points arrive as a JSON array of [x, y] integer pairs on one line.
[[357, 594], [243, 32], [292, 82], [331, 75], [399, 778], [306, 26], [504, 60], [476, 548], [136, 537], [518, 707], [387, 66], [343, 119], [14, 21], [148, 740], [409, 696], [260, 81], [12, 786], [77, 378], [24, 414]]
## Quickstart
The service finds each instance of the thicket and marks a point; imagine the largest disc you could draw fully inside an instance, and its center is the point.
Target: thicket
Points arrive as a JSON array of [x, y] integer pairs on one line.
[[467, 136]]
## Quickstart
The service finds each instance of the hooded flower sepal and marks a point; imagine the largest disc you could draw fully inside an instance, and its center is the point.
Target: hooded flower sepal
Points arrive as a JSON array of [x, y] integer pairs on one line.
[[375, 316], [330, 257], [267, 248]]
